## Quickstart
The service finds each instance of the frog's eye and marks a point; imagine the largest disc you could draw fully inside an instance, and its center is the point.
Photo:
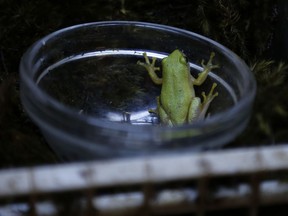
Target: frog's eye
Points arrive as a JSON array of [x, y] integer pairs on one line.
[[183, 59]]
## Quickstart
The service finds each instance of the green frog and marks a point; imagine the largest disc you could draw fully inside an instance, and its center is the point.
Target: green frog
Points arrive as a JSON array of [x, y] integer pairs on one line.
[[177, 103]]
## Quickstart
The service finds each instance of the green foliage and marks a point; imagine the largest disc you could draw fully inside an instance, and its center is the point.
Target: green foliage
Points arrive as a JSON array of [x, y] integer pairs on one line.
[[271, 101], [246, 27], [243, 26], [20, 145]]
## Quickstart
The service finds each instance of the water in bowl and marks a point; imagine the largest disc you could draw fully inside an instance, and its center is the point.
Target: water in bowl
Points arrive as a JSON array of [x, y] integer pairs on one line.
[[109, 85]]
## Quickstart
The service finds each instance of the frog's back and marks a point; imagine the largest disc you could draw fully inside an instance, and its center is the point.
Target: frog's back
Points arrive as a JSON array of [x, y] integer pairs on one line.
[[177, 90]]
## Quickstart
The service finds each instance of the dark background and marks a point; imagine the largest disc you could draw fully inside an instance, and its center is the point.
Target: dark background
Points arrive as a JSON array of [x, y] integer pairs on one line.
[[255, 30]]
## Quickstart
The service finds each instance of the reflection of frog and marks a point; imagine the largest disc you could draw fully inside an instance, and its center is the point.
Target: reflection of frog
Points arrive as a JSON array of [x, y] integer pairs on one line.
[[177, 103]]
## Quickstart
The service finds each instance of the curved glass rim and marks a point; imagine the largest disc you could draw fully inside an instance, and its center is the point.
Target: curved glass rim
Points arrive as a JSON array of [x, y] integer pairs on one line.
[[221, 117]]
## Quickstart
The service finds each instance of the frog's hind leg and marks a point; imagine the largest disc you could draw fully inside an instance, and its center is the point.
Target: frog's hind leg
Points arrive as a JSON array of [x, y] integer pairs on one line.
[[207, 99], [164, 118], [194, 110]]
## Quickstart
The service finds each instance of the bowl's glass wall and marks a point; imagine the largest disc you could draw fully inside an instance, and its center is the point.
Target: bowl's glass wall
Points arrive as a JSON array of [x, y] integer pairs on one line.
[[73, 114]]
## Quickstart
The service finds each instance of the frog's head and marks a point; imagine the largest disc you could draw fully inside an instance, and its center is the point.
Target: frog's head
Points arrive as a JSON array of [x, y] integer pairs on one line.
[[175, 63], [177, 57]]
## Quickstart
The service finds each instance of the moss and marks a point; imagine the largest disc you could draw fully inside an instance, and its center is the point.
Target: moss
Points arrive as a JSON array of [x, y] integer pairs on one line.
[[246, 27]]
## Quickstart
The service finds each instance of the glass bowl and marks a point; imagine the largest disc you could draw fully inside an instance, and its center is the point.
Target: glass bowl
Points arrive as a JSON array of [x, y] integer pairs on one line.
[[82, 86]]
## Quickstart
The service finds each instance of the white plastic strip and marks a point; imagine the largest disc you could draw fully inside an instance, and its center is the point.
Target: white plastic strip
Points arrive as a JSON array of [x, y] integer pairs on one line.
[[141, 170]]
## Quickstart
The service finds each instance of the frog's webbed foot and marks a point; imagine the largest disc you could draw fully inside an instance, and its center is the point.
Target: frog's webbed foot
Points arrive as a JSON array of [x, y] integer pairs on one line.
[[206, 69], [209, 66], [150, 67], [207, 99]]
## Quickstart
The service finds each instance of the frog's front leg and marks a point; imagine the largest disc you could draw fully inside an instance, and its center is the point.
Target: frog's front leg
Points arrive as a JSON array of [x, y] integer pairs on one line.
[[150, 67], [206, 69]]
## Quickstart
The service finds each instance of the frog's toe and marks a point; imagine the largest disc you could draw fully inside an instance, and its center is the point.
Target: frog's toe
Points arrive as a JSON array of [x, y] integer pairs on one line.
[[211, 95], [209, 66], [153, 111]]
